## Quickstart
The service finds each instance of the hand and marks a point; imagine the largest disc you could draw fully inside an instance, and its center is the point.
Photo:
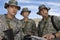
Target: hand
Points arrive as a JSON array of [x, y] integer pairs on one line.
[[29, 33], [0, 38], [49, 36]]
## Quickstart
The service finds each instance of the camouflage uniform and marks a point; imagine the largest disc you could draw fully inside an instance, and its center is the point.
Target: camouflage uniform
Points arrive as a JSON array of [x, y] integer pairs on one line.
[[15, 24], [46, 26], [28, 26]]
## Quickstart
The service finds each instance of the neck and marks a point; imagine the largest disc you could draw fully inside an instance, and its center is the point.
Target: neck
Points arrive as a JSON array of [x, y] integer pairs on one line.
[[25, 18], [46, 17], [10, 16]]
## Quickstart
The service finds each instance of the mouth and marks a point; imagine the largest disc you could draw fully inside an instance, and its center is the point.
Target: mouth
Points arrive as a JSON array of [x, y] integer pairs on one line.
[[14, 12]]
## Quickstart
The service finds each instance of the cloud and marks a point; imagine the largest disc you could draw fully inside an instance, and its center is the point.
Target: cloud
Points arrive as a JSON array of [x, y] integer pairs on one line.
[[54, 12], [36, 2], [23, 1], [5, 0], [39, 2], [30, 7], [53, 3]]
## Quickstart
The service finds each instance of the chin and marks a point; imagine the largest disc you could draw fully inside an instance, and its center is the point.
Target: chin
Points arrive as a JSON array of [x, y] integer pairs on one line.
[[13, 14]]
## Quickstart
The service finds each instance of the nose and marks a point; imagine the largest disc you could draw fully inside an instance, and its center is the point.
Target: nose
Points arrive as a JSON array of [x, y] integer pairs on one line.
[[15, 8]]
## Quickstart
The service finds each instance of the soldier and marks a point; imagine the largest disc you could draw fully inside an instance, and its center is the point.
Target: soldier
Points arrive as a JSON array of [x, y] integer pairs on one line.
[[29, 26], [46, 27], [8, 21]]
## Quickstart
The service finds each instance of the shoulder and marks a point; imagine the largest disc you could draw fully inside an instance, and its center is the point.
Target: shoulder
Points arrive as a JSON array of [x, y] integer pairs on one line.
[[19, 22], [56, 18], [57, 22], [41, 20], [31, 20], [1, 16]]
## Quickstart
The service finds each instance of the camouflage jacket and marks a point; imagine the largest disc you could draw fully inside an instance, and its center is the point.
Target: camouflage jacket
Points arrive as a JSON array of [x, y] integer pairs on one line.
[[46, 26], [28, 26], [15, 24]]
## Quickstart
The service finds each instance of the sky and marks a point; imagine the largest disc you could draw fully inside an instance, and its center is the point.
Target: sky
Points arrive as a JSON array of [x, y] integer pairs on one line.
[[33, 6]]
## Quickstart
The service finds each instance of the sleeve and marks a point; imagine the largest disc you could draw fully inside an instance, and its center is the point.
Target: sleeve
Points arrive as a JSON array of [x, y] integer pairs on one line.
[[1, 28], [57, 22], [20, 34], [39, 32], [34, 30]]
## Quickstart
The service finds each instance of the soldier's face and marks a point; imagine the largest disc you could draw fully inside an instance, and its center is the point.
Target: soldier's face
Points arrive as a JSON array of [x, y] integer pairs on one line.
[[12, 10], [44, 12], [25, 14]]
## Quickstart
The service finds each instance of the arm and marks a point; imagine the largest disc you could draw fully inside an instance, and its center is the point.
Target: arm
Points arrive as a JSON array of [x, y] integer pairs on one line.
[[1, 28], [1, 32], [21, 34], [58, 34], [39, 30], [57, 22], [52, 36], [34, 31]]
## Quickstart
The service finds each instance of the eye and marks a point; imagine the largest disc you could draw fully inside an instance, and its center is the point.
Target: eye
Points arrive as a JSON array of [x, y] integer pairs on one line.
[[11, 6]]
